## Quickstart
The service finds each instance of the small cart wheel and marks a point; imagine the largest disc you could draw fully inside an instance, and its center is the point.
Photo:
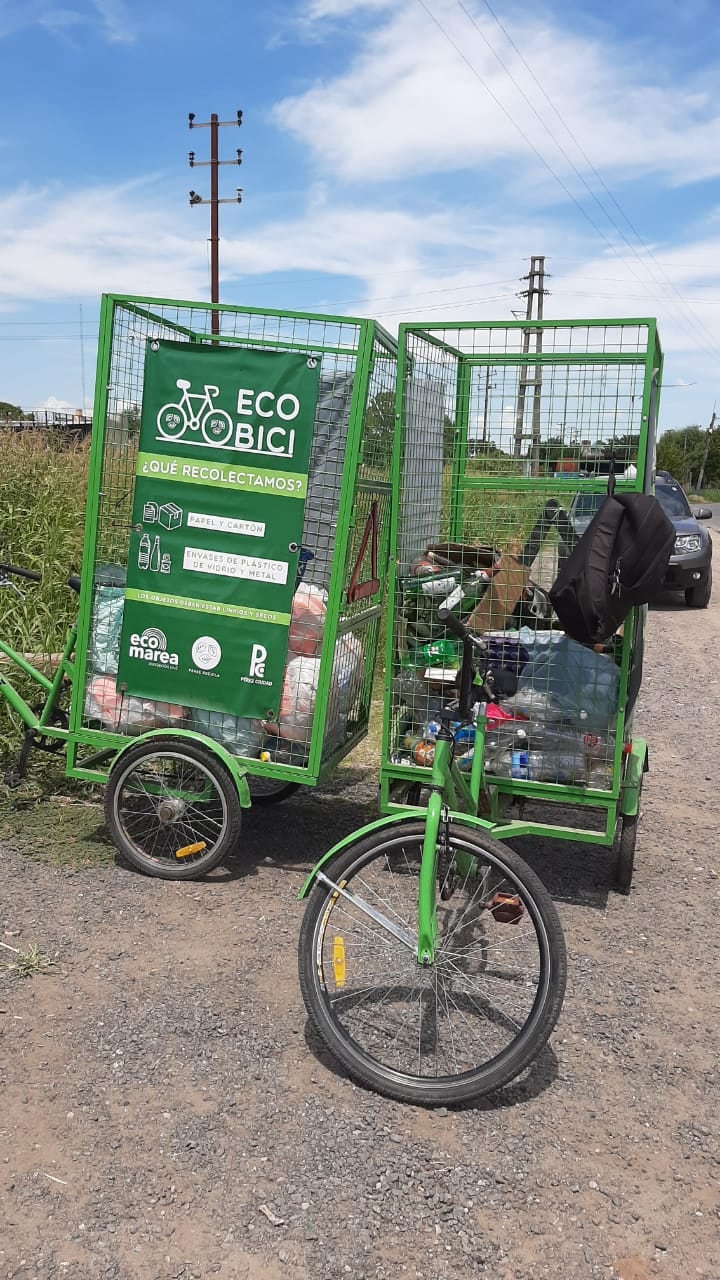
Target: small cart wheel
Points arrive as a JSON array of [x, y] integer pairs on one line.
[[172, 808], [264, 791], [625, 853]]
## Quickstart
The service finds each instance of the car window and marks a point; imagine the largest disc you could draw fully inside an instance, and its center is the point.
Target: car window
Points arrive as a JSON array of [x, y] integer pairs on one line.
[[672, 500], [586, 504]]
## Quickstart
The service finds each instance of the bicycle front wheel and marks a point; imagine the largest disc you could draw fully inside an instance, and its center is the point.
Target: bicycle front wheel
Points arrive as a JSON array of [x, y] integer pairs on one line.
[[461, 1027]]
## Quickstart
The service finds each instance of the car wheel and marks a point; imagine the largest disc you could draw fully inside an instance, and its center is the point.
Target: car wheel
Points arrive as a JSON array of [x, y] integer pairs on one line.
[[698, 597]]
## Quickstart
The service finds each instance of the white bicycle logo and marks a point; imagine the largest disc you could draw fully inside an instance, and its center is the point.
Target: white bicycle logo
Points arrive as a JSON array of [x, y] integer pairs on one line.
[[214, 425]]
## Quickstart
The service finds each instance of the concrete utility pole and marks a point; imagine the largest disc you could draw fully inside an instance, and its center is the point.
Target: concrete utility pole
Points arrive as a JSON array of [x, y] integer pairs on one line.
[[213, 124], [708, 438], [536, 289]]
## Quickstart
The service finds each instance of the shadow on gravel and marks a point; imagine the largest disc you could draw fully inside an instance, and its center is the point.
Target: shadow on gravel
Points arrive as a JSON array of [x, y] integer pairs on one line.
[[573, 872], [293, 834], [670, 602], [538, 1077]]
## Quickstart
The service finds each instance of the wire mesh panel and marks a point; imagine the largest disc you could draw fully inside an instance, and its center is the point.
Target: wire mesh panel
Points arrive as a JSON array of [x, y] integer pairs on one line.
[[332, 626], [508, 436]]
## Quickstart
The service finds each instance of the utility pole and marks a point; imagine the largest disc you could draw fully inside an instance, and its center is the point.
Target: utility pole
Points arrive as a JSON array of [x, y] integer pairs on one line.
[[213, 124], [708, 438], [536, 289]]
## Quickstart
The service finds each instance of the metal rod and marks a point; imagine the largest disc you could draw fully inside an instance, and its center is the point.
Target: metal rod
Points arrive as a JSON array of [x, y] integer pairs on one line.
[[214, 224]]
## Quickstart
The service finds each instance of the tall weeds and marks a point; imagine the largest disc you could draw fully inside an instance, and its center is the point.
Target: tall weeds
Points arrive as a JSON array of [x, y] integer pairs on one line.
[[43, 483]]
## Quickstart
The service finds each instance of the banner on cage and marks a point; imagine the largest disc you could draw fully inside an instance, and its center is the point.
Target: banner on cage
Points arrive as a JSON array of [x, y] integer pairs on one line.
[[217, 520]]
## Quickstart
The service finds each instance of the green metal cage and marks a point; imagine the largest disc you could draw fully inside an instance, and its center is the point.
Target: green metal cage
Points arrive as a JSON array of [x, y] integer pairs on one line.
[[507, 435], [345, 533]]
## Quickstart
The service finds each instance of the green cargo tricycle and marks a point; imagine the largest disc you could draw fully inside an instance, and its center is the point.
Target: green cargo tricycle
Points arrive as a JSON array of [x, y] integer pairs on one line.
[[236, 538], [431, 956]]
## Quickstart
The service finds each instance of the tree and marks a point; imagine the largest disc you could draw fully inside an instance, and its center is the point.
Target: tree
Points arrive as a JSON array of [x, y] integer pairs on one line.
[[681, 452], [12, 411], [624, 449]]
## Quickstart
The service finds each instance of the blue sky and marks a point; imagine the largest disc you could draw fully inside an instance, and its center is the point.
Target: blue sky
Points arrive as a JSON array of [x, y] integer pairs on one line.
[[392, 167]]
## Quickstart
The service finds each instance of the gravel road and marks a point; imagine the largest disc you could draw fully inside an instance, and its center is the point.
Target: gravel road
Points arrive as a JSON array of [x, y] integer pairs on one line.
[[166, 1113]]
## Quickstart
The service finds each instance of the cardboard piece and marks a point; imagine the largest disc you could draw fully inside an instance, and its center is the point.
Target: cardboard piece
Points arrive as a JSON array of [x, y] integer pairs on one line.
[[506, 588]]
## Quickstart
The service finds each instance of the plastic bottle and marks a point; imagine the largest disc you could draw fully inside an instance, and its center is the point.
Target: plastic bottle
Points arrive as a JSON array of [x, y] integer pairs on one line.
[[144, 552], [519, 763], [438, 586]]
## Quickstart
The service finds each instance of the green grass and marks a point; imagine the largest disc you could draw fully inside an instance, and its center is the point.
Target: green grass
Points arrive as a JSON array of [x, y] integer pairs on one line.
[[26, 964], [54, 819], [43, 483], [707, 495]]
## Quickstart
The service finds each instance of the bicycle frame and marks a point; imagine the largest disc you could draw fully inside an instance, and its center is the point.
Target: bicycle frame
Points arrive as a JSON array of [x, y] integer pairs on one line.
[[452, 795], [65, 671]]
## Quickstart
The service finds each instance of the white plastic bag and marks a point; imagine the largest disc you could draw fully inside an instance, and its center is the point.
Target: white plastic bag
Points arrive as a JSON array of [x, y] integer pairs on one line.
[[348, 669], [307, 621], [121, 713]]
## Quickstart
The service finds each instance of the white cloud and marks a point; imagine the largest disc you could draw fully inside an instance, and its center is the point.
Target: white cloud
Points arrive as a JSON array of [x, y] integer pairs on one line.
[[395, 264], [116, 21], [56, 244], [56, 18], [408, 104]]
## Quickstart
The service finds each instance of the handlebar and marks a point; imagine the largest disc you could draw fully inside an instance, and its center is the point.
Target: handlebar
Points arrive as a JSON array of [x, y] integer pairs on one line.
[[453, 623], [21, 573]]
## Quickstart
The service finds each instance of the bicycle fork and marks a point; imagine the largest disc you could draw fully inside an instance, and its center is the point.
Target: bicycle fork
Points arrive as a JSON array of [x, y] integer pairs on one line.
[[436, 832]]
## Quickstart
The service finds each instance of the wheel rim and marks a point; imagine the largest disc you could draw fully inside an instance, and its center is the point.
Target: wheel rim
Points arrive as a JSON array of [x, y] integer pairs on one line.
[[170, 809], [465, 1014]]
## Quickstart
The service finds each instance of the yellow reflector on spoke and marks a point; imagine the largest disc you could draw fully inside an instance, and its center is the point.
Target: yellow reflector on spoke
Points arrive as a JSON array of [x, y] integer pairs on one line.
[[190, 849], [339, 961]]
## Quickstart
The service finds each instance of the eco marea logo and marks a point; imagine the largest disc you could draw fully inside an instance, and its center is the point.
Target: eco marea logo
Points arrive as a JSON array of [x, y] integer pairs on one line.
[[151, 646]]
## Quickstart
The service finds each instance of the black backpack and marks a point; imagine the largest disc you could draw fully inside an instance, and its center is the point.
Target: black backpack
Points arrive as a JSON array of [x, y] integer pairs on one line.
[[619, 561]]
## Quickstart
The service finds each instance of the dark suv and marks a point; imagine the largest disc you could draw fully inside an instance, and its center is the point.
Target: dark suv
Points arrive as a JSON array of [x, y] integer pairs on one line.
[[690, 567]]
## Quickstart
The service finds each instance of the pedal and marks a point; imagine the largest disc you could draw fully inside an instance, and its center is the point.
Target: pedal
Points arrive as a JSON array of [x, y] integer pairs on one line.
[[506, 908]]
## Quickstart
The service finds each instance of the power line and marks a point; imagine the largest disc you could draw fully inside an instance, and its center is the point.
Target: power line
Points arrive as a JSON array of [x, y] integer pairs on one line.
[[699, 329], [543, 160]]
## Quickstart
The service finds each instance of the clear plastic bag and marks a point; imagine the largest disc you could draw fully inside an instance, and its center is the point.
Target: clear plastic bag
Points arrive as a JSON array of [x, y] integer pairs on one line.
[[570, 683], [104, 643], [239, 735]]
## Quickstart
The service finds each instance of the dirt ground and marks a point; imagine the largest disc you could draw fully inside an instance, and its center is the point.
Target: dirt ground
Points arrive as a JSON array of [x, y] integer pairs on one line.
[[167, 1113]]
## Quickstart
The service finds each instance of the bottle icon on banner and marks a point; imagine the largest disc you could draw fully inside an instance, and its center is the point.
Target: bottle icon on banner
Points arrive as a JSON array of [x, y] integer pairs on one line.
[[144, 552], [155, 555]]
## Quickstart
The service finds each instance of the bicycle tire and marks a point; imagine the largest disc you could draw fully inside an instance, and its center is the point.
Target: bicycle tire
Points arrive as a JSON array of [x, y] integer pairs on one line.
[[151, 821], [625, 842], [331, 1003], [266, 791]]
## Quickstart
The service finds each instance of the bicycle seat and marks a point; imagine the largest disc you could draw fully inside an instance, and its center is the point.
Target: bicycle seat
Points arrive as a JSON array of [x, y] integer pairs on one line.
[[74, 582], [183, 384]]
